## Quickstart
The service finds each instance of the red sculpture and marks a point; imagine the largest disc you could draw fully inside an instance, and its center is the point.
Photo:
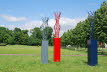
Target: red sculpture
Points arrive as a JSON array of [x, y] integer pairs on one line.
[[56, 38], [57, 25]]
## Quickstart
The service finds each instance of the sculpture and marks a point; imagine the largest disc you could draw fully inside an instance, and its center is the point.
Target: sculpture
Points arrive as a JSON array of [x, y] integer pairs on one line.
[[44, 52], [92, 47], [56, 38]]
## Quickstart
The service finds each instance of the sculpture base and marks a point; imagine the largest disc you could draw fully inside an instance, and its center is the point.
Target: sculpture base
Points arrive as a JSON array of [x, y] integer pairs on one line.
[[57, 49], [44, 52], [92, 52]]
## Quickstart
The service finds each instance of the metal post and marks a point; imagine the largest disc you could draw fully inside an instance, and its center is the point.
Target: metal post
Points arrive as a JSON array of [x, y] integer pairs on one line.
[[44, 52]]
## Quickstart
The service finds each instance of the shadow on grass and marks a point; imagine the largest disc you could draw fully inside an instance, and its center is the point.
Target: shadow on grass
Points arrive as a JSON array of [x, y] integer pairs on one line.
[[85, 62], [77, 49], [86, 51], [50, 61], [102, 53]]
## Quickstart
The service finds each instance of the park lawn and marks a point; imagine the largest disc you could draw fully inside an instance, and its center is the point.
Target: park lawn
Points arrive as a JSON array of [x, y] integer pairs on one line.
[[67, 64], [23, 49], [33, 63], [19, 49]]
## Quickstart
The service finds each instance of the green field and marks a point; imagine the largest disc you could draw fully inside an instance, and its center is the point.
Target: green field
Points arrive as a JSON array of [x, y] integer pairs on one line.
[[33, 63], [21, 49]]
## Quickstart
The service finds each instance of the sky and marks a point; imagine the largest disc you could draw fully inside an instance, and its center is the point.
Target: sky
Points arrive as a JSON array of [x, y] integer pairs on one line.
[[27, 14]]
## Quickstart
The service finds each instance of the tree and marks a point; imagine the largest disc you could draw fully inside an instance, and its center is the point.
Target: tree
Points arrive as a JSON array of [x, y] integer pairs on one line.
[[11, 41], [5, 34], [20, 36], [101, 23], [36, 33], [81, 33], [36, 37], [17, 35]]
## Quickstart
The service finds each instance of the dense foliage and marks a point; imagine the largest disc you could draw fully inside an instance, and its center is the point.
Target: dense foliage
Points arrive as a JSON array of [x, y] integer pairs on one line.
[[81, 33], [21, 37]]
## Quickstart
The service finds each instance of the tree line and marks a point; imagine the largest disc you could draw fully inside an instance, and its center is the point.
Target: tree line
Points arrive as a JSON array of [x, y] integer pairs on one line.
[[81, 33], [22, 37]]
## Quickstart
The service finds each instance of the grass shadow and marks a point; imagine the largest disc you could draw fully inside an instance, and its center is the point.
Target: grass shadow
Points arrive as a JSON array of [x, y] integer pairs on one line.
[[102, 53], [85, 62]]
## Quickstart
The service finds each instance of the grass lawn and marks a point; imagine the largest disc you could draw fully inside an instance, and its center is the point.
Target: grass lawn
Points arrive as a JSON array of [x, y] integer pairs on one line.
[[23, 49], [33, 63]]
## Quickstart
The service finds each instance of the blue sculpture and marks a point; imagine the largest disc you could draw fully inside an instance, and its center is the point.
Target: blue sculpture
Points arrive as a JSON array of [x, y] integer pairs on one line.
[[92, 43]]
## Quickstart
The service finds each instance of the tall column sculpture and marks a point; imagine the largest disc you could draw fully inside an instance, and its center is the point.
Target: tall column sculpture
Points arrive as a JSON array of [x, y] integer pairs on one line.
[[56, 38], [92, 43], [44, 50]]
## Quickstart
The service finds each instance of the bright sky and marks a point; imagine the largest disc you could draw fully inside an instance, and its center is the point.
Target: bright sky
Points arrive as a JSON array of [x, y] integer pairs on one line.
[[26, 14]]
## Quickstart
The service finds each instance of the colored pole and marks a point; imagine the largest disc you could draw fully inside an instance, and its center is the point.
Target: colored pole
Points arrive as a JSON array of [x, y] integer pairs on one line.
[[92, 53], [57, 49], [44, 52]]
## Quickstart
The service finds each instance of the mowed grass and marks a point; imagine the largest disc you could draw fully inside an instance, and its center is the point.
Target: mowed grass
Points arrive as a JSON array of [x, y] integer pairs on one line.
[[23, 49], [33, 63]]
